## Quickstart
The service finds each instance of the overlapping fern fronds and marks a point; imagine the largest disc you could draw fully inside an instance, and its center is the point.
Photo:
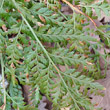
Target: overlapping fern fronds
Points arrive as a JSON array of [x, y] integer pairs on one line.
[[25, 27]]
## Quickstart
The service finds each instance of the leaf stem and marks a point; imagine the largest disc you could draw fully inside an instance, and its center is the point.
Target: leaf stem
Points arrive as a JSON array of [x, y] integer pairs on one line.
[[77, 10], [2, 4], [11, 98], [62, 14], [47, 55], [3, 82]]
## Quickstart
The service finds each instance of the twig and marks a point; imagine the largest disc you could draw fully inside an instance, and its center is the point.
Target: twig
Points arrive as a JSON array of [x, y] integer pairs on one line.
[[77, 10]]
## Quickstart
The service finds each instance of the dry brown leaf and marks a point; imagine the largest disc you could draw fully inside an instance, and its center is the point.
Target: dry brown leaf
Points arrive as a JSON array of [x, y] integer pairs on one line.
[[19, 47], [54, 7], [82, 21], [11, 39], [19, 11], [89, 63], [81, 89], [45, 1], [40, 24], [81, 42], [62, 68], [86, 55], [85, 67], [42, 19], [75, 47], [68, 39], [2, 107], [4, 27], [18, 20], [27, 0], [32, 16], [12, 65], [19, 62], [66, 108], [104, 88], [7, 10], [96, 104]]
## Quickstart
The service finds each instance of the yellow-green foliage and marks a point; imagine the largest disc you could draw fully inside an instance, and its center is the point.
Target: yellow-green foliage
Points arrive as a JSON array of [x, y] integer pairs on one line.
[[24, 29]]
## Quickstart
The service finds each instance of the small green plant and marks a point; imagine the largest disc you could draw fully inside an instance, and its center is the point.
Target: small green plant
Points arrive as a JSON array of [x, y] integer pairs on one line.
[[25, 27]]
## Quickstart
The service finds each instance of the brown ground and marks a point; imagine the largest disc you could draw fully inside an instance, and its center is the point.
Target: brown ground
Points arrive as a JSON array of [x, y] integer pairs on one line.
[[104, 102]]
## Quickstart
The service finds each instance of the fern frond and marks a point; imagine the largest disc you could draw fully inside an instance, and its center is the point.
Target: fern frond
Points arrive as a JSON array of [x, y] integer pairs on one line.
[[25, 27]]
